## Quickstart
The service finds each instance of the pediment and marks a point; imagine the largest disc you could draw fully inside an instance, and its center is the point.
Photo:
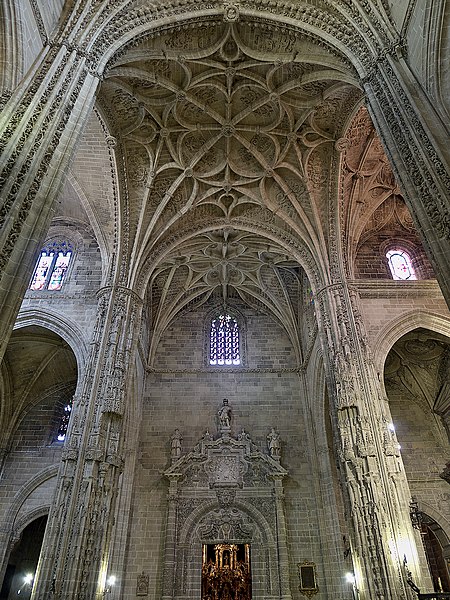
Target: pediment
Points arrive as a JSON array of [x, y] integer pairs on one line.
[[225, 462]]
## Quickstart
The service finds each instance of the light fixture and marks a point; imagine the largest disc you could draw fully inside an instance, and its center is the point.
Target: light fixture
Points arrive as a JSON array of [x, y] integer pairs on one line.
[[391, 427], [110, 582], [350, 578], [27, 583]]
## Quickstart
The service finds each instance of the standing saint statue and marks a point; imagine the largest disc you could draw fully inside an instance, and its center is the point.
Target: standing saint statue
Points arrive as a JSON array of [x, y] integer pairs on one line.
[[175, 449], [224, 414], [273, 443]]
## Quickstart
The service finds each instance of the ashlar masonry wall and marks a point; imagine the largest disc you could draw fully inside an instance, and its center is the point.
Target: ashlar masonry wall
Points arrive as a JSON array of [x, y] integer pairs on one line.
[[183, 392]]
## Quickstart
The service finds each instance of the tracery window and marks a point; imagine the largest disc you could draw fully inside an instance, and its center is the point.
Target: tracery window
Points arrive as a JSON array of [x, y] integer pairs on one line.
[[52, 266], [224, 341], [400, 264], [64, 422]]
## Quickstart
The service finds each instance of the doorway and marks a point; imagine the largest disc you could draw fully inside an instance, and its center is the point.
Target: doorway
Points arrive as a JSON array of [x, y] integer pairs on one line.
[[22, 563], [226, 572]]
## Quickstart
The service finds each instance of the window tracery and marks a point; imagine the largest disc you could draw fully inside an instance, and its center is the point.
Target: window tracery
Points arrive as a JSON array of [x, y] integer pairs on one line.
[[400, 264], [224, 341], [52, 265]]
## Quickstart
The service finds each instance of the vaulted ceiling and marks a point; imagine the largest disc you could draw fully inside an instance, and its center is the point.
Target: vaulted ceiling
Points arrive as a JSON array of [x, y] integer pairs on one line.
[[226, 122], [227, 132], [228, 140]]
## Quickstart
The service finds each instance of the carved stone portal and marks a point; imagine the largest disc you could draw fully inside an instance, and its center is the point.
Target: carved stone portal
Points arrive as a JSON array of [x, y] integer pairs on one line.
[[225, 493]]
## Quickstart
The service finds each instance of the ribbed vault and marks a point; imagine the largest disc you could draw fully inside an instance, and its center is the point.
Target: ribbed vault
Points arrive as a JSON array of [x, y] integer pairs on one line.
[[229, 123]]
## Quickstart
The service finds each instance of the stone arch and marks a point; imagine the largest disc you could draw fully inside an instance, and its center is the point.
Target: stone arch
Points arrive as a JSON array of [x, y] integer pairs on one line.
[[26, 520], [16, 521], [97, 232], [207, 507], [332, 30], [440, 519], [60, 325], [262, 541], [280, 242], [295, 248], [27, 489], [399, 327]]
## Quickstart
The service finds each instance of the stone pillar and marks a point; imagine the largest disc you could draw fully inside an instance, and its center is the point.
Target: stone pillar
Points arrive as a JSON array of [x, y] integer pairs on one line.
[[40, 125], [76, 547], [418, 151], [283, 555], [171, 533], [377, 492]]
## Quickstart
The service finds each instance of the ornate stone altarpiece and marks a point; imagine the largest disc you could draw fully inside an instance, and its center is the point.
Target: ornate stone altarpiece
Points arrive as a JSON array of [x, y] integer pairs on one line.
[[225, 491]]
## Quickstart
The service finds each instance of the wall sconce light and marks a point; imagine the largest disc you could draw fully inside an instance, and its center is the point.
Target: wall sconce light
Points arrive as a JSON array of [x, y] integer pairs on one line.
[[27, 583], [415, 514], [350, 578], [110, 582]]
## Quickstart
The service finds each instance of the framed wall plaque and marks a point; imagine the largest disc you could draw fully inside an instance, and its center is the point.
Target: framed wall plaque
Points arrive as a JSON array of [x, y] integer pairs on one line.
[[308, 579]]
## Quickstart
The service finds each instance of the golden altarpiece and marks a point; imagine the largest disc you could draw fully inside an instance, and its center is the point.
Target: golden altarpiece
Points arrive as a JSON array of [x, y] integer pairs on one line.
[[226, 532]]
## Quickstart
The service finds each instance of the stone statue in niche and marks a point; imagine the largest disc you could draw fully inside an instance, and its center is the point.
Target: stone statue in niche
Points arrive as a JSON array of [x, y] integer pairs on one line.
[[175, 449], [273, 443], [224, 414], [142, 584]]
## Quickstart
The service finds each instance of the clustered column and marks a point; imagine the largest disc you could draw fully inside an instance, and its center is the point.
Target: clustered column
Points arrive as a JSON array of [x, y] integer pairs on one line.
[[371, 468], [77, 542]]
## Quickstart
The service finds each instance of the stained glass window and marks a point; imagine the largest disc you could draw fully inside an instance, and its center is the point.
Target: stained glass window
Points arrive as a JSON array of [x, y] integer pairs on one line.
[[64, 423], [52, 266], [224, 342], [400, 264]]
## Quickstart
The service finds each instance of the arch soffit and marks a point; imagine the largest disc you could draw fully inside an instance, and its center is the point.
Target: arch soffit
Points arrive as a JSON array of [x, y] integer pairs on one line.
[[408, 322], [211, 505], [21, 496], [60, 325], [335, 28], [28, 518], [96, 232], [437, 517]]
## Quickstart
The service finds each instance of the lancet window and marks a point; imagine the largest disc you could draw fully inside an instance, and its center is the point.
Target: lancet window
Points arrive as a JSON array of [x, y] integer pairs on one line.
[[400, 264], [64, 422], [52, 266], [224, 341]]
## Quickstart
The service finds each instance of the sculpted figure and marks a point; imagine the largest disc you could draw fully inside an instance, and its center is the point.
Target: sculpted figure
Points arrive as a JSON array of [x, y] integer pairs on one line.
[[224, 414], [273, 443], [176, 445]]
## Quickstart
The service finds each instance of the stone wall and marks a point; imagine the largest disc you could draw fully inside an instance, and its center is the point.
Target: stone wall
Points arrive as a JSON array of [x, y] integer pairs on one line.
[[183, 393]]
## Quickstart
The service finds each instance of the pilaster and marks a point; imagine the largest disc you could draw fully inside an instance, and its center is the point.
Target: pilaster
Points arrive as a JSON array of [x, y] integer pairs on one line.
[[76, 547], [283, 556], [377, 492], [171, 532]]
